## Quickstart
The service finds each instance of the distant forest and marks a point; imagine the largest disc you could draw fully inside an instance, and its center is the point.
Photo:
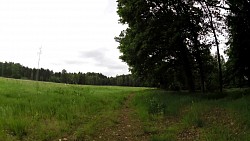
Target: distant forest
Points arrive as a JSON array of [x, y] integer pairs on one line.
[[17, 71]]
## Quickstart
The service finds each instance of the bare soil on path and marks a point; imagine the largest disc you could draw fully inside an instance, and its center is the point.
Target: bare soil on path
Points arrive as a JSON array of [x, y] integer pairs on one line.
[[127, 128]]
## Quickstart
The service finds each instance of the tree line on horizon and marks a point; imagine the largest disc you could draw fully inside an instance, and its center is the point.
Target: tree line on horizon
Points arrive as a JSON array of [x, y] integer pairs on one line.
[[17, 71], [169, 42]]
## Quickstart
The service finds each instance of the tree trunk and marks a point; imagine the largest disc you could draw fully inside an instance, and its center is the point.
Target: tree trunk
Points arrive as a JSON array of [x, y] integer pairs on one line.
[[202, 76], [187, 68], [217, 45]]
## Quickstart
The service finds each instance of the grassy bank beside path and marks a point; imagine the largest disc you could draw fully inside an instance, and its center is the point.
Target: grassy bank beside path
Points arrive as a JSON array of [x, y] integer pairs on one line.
[[171, 116]]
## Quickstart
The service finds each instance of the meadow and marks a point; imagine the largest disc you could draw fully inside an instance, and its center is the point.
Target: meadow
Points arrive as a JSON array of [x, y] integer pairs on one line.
[[43, 111]]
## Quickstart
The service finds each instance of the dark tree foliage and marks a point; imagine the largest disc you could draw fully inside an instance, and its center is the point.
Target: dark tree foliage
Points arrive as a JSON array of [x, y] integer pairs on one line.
[[164, 42], [239, 51]]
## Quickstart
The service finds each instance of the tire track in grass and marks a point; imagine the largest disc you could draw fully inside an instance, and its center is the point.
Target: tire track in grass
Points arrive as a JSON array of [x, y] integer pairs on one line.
[[128, 127]]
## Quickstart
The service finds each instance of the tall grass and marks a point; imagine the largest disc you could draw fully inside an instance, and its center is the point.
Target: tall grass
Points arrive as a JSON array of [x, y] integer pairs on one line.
[[48, 111], [183, 116]]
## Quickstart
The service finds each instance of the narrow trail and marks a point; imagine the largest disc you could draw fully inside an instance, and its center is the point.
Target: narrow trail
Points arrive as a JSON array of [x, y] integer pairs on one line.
[[128, 127]]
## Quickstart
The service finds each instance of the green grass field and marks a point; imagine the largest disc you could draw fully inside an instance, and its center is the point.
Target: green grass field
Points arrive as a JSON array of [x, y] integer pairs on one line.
[[48, 111], [174, 116], [41, 111]]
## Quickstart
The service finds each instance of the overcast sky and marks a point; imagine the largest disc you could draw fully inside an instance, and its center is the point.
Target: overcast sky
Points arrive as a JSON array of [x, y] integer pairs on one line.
[[76, 35]]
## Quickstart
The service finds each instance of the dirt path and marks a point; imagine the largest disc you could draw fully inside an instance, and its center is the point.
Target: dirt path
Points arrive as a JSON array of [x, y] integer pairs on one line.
[[128, 127]]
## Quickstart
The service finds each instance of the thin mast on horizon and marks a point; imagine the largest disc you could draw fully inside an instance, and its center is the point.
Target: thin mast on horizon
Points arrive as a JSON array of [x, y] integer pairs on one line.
[[38, 64]]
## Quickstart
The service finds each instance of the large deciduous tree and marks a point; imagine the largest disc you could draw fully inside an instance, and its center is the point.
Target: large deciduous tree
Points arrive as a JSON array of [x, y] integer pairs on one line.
[[164, 41]]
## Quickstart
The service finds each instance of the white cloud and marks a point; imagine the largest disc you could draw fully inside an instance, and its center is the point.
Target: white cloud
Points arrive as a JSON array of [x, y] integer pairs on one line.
[[65, 28]]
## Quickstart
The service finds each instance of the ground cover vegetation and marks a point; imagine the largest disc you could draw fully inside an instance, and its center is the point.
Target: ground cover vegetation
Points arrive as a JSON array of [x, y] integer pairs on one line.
[[175, 116], [32, 110]]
